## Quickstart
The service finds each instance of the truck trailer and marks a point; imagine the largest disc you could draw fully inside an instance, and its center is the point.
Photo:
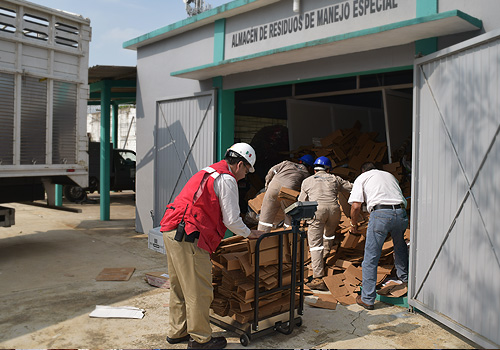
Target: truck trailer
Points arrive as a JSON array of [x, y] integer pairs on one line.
[[44, 57]]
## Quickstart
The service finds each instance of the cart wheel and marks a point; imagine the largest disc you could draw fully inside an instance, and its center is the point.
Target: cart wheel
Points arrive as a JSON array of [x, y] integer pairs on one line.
[[298, 321], [244, 339]]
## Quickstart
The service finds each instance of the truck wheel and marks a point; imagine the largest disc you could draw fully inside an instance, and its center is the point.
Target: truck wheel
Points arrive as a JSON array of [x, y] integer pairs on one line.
[[74, 193]]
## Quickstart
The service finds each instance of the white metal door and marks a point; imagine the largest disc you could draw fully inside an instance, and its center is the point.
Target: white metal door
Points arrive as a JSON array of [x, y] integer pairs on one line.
[[185, 144], [455, 218]]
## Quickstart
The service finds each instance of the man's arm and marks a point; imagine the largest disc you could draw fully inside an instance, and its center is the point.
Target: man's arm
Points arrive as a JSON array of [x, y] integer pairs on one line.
[[355, 212], [226, 188]]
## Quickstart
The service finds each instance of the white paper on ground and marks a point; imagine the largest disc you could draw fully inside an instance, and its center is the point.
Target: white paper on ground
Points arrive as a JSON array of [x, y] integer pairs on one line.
[[117, 312]]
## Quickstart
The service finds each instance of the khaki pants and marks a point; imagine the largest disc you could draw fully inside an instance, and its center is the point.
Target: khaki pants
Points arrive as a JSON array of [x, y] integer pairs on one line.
[[271, 205], [191, 291], [320, 234]]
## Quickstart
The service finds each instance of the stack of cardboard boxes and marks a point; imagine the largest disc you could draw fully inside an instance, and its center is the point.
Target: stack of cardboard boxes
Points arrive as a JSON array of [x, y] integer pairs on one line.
[[234, 277]]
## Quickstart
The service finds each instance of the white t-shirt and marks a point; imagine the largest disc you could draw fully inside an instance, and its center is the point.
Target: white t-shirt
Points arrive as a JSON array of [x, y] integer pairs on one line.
[[226, 189], [376, 187]]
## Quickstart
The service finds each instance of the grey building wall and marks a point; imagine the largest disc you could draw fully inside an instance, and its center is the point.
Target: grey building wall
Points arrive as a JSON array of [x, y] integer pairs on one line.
[[154, 64], [391, 57]]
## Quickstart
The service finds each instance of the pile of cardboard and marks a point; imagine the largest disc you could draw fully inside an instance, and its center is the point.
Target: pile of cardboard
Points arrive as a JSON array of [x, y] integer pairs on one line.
[[234, 277], [347, 149]]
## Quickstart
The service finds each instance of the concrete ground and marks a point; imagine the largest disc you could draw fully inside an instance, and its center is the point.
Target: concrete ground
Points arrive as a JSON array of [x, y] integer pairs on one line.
[[48, 266]]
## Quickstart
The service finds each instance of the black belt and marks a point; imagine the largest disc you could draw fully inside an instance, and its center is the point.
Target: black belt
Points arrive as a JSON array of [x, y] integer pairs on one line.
[[386, 206]]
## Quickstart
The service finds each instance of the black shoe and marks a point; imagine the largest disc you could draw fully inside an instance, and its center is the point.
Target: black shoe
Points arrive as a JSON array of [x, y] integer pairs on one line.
[[178, 340], [214, 343], [365, 305]]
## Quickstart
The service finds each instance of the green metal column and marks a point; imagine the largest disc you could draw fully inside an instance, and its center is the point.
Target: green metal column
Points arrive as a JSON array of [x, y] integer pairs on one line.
[[219, 39], [225, 118], [430, 45], [105, 151], [59, 195], [115, 124]]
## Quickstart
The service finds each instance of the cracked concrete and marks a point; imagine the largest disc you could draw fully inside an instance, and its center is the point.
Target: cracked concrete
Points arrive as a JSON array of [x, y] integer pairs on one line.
[[49, 261]]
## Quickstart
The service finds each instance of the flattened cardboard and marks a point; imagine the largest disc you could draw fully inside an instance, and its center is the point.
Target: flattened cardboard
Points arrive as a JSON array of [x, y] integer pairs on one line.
[[288, 193], [350, 240], [407, 234], [335, 284], [323, 301], [234, 247], [246, 291], [384, 269], [246, 266], [347, 300], [343, 263], [381, 277], [265, 243], [393, 289], [266, 257], [256, 203], [399, 291], [355, 272], [351, 280], [158, 279], [115, 274]]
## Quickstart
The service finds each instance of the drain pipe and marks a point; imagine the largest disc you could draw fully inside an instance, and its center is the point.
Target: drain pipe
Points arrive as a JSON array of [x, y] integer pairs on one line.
[[296, 5]]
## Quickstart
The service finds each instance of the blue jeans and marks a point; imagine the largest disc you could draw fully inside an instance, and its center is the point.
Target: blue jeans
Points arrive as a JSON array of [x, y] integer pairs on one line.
[[383, 221]]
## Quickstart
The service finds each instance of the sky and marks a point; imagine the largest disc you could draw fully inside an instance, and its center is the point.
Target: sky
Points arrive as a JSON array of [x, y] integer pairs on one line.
[[115, 21]]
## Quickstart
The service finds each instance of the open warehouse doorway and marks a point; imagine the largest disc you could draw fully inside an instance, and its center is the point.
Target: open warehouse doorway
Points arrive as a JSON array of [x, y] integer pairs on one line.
[[287, 120]]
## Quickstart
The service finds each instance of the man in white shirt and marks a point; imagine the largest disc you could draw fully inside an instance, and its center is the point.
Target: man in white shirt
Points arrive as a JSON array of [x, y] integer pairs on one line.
[[387, 206]]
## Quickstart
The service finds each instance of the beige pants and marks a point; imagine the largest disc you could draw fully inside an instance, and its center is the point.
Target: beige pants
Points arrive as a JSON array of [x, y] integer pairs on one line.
[[191, 291], [271, 205], [320, 234]]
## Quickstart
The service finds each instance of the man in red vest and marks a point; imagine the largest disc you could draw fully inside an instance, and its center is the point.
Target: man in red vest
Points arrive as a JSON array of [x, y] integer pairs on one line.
[[193, 227]]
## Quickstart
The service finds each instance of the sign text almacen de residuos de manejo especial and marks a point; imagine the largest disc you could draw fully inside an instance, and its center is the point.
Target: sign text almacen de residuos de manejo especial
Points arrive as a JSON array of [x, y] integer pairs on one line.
[[321, 17]]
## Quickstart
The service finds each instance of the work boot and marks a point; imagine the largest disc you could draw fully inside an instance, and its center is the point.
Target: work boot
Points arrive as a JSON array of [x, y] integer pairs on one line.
[[214, 343], [363, 304], [317, 284], [178, 340]]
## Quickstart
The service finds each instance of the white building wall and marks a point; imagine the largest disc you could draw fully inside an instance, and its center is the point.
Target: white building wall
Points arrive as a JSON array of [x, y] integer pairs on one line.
[[485, 10], [126, 127], [455, 244]]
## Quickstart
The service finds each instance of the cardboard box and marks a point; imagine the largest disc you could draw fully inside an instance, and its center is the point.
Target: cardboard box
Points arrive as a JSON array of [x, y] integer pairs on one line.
[[256, 203], [158, 279], [155, 240], [230, 261], [288, 193]]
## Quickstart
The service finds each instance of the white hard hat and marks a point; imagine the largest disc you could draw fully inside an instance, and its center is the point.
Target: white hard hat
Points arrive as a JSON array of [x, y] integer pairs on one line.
[[246, 151]]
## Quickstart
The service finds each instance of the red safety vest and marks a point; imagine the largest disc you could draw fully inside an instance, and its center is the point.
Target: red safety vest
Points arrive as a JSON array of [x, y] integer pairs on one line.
[[203, 215]]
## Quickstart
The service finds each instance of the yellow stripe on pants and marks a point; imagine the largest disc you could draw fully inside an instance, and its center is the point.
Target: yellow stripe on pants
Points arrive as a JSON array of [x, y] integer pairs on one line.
[[191, 291]]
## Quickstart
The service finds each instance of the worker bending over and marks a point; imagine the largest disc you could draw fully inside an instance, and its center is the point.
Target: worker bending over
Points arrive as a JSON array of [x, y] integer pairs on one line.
[[387, 206], [323, 188], [285, 174], [193, 227]]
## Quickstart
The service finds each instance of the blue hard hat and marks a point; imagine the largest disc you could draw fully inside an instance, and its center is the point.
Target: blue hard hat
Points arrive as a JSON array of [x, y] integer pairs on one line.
[[307, 159], [323, 161]]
